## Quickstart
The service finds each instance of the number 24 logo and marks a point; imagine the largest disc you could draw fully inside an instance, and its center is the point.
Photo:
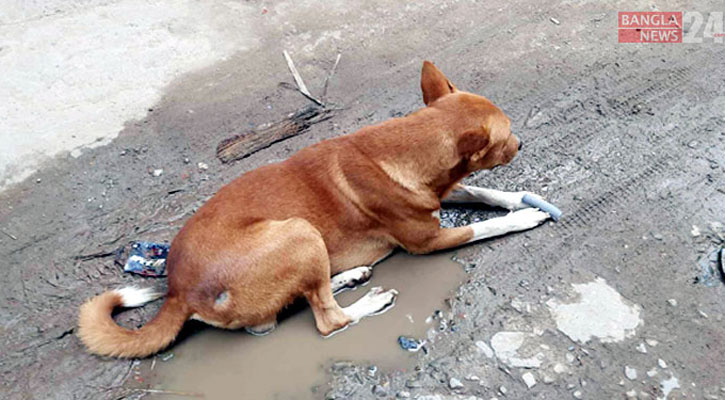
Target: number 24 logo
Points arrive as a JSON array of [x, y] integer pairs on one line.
[[713, 27]]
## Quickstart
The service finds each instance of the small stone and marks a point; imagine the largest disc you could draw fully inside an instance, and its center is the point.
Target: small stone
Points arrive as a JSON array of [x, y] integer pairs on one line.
[[503, 390], [651, 342], [570, 386], [548, 379], [529, 379], [631, 394], [695, 232], [630, 373], [569, 357], [379, 391], [577, 394], [652, 372], [412, 384], [658, 236], [454, 384], [560, 368], [372, 371], [554, 20], [662, 363], [473, 378], [702, 314], [157, 172], [642, 348], [202, 166], [672, 302], [186, 160], [38, 180], [484, 348], [403, 394]]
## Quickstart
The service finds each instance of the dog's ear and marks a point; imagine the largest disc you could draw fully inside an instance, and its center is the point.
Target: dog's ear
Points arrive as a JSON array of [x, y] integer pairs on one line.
[[433, 83]]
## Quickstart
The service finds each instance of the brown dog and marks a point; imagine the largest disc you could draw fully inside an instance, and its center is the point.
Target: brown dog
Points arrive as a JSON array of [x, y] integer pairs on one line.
[[279, 232]]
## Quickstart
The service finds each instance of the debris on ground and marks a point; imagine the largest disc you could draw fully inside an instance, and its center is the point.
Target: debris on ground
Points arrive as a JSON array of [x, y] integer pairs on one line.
[[711, 267], [410, 344], [147, 258]]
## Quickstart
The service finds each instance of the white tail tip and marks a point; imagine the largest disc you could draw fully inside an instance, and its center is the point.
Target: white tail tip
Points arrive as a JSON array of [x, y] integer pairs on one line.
[[132, 296]]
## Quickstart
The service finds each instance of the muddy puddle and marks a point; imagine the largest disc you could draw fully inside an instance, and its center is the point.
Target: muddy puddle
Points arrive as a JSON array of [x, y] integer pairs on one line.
[[291, 362]]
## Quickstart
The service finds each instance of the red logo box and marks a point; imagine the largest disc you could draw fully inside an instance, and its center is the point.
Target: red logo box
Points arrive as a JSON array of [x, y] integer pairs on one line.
[[650, 26]]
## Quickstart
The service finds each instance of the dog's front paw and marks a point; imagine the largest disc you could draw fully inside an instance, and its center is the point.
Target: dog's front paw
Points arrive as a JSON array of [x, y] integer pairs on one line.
[[515, 200], [526, 219]]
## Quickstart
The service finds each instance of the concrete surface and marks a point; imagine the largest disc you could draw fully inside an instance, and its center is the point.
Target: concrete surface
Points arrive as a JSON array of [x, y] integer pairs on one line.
[[626, 139]]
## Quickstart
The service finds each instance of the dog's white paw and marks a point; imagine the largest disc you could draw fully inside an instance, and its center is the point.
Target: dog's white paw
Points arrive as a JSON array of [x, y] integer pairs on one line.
[[526, 219], [515, 200], [350, 278], [376, 301]]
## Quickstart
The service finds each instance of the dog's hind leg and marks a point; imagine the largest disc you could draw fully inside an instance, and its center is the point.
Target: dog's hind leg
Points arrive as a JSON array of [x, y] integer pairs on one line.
[[492, 197]]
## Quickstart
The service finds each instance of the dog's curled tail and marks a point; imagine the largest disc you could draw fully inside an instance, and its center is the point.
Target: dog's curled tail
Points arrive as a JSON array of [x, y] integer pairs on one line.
[[100, 333]]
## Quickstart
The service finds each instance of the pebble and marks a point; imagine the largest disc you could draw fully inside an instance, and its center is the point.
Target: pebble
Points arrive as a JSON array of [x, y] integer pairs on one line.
[[548, 379], [658, 236], [630, 373], [379, 391], [529, 379], [702, 314], [577, 394], [454, 383], [202, 166], [651, 342], [503, 390], [484, 348], [631, 394], [662, 363], [672, 302], [554, 20], [403, 395], [157, 172], [570, 357], [559, 368], [652, 372], [695, 232], [642, 348]]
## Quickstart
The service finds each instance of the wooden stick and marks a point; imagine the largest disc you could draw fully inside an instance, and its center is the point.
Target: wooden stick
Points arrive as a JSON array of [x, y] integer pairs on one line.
[[263, 136], [298, 79], [330, 75]]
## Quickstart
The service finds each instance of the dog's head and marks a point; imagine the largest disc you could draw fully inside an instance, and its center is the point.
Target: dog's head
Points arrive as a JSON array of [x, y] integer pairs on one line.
[[481, 130]]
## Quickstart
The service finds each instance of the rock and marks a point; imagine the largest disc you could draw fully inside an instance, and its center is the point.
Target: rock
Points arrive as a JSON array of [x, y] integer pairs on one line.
[[695, 232], [642, 348], [662, 363], [529, 379], [548, 379], [379, 391], [412, 384], [672, 302], [554, 20], [652, 372], [403, 394], [503, 390], [631, 394], [484, 348], [651, 342], [157, 172], [454, 384], [630, 373], [577, 394], [569, 358], [658, 236], [202, 166], [560, 368]]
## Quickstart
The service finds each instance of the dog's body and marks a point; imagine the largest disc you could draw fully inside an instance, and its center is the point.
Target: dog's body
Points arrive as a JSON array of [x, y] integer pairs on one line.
[[280, 231]]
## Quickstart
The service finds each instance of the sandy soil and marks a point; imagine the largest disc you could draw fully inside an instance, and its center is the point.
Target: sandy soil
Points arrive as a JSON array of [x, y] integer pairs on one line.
[[626, 139]]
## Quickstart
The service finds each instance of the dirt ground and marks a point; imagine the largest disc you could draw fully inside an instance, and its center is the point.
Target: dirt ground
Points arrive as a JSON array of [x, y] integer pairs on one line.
[[627, 139]]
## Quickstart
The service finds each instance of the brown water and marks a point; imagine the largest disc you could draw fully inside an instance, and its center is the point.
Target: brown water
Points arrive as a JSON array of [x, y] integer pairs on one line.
[[287, 363]]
